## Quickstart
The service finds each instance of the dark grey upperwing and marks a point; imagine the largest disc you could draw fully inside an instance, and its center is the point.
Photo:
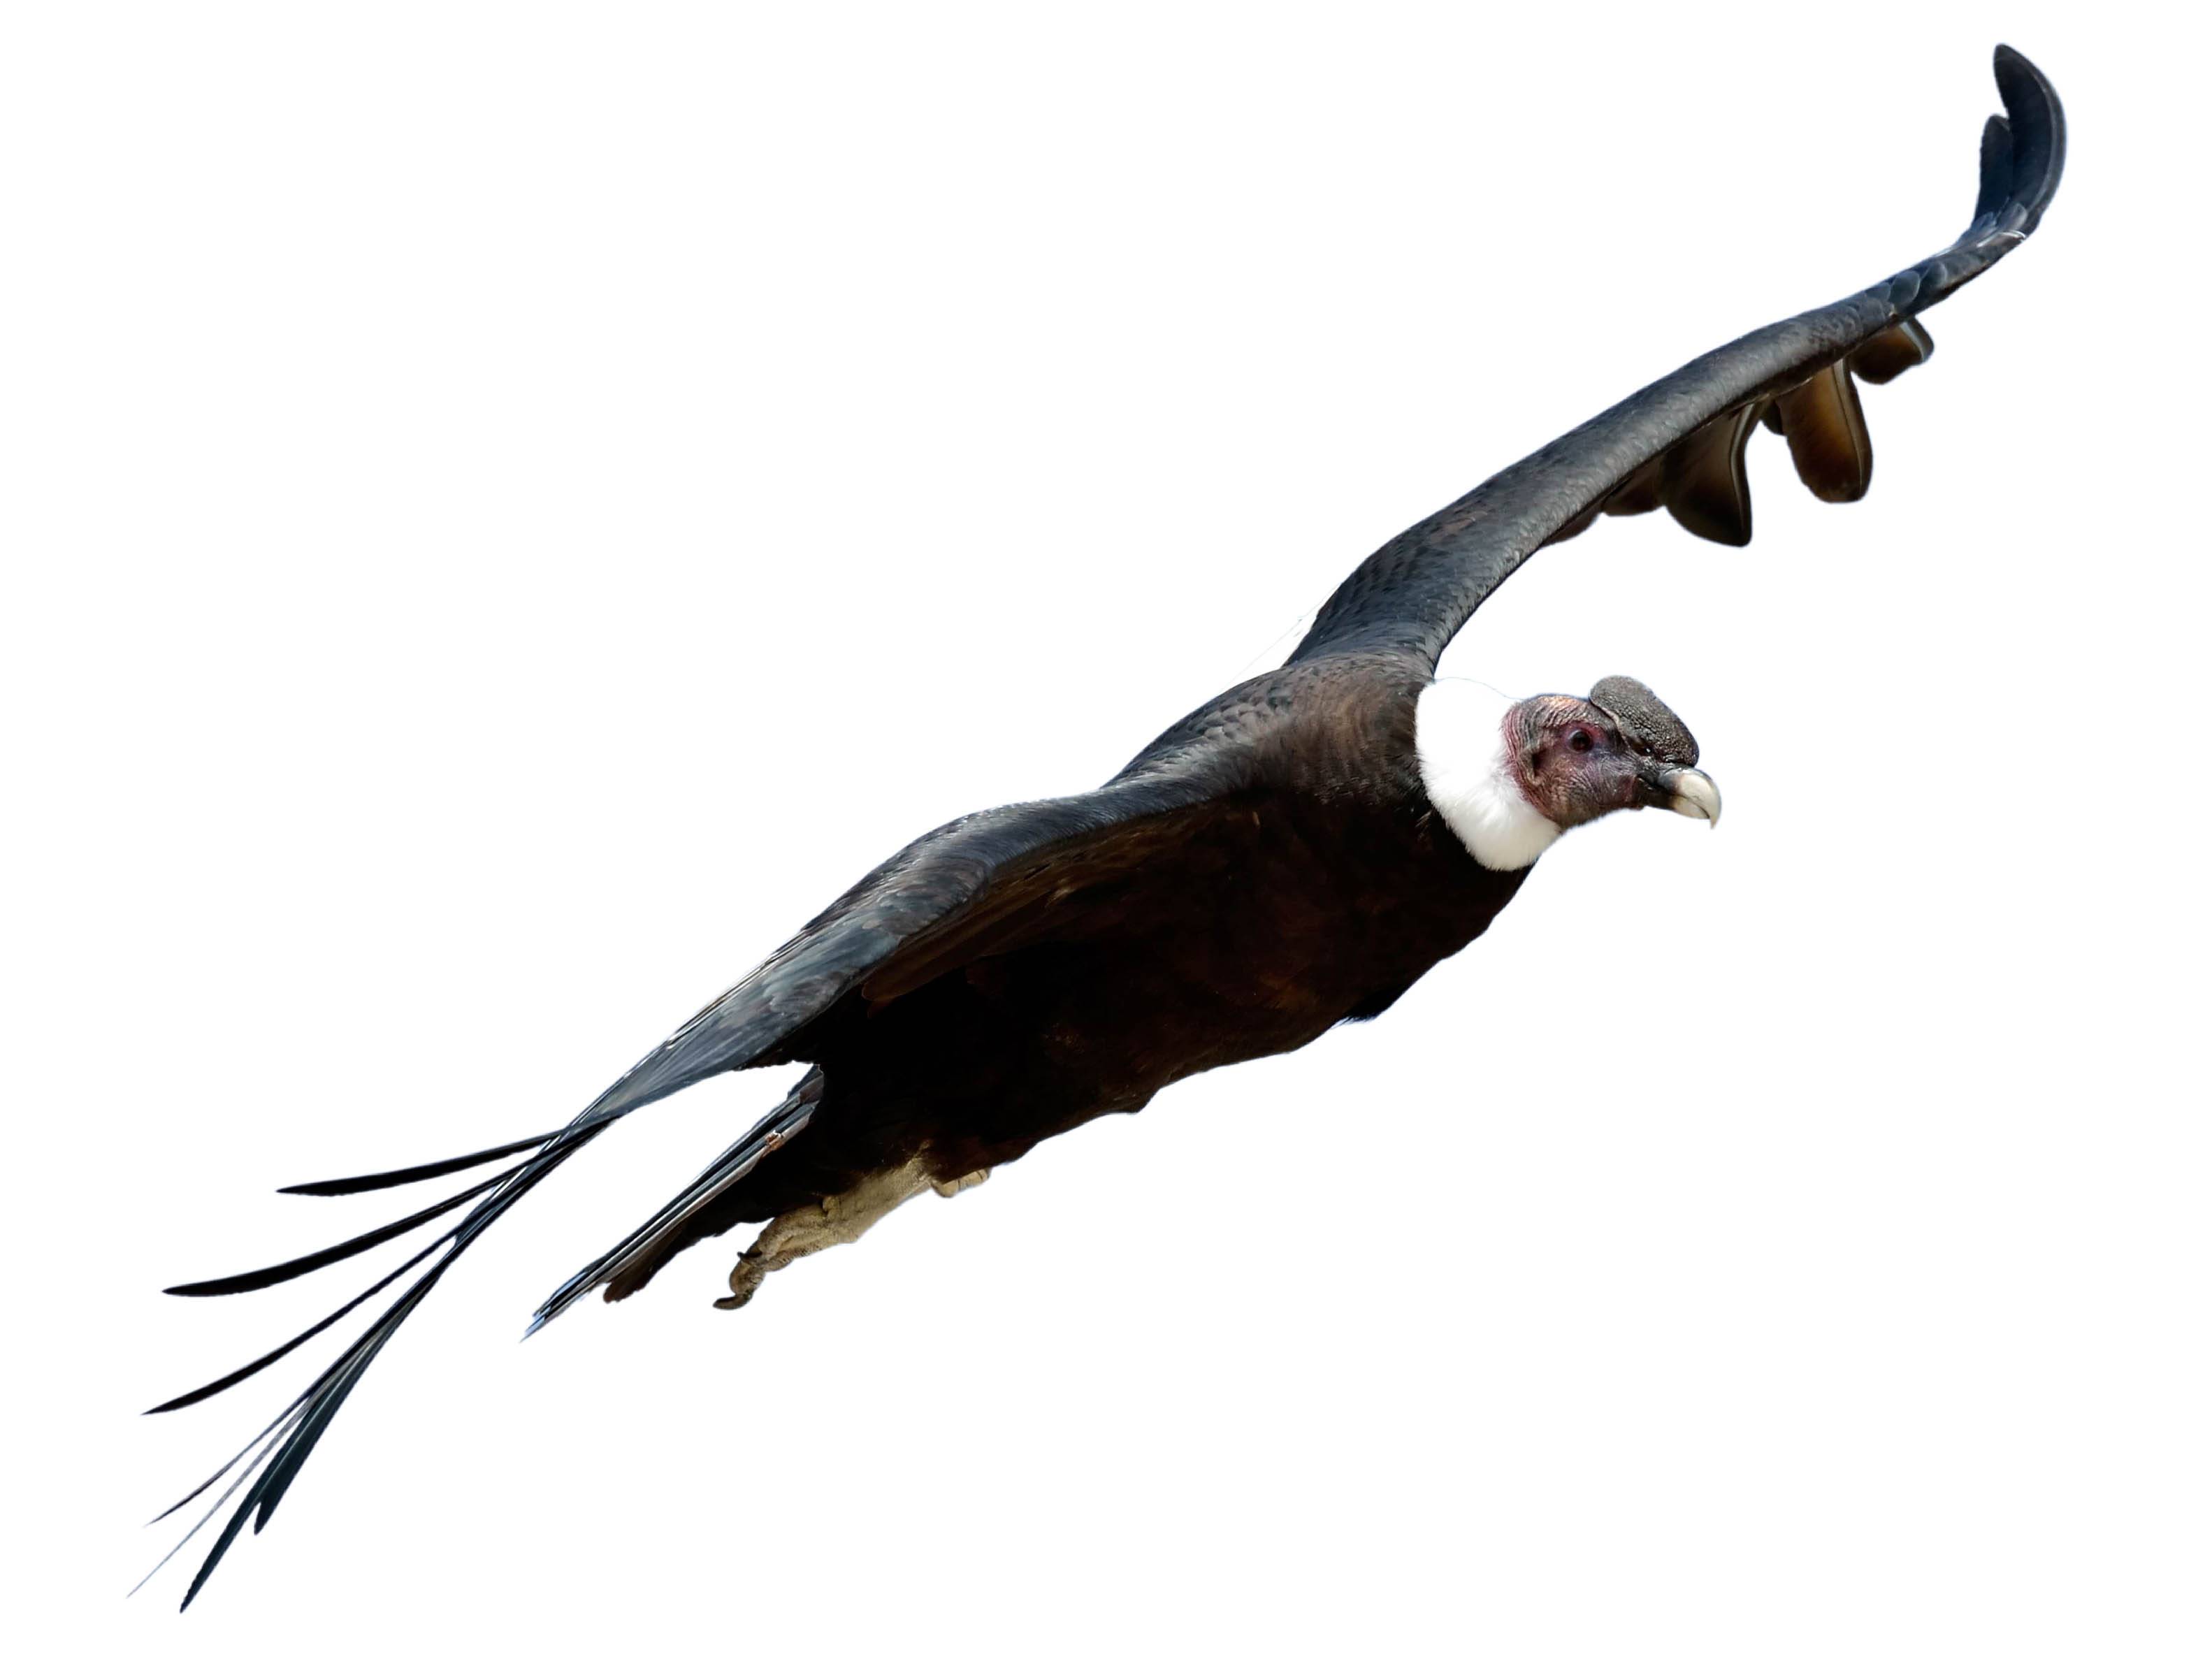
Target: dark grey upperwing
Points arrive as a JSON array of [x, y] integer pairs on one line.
[[1679, 443], [960, 887]]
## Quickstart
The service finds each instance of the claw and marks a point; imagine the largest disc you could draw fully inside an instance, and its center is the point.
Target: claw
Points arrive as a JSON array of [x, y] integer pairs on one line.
[[838, 1219]]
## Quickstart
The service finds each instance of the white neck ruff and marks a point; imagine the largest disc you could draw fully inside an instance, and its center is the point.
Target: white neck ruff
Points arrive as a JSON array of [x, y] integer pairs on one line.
[[1468, 767]]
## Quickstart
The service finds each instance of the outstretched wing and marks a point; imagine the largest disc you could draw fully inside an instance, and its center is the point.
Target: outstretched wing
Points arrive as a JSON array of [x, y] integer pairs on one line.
[[947, 897], [1679, 443]]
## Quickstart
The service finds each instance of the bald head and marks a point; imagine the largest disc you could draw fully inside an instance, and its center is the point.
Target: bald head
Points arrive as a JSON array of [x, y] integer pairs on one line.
[[1617, 749], [1510, 777]]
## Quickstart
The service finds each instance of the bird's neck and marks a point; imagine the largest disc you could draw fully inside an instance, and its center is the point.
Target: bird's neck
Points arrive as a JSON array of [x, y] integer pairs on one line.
[[1467, 767]]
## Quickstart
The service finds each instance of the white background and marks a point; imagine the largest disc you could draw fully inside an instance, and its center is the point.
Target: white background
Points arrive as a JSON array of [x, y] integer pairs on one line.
[[509, 510]]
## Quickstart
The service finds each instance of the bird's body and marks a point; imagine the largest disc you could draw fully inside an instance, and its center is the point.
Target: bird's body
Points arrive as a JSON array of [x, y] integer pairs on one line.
[[1293, 854], [1315, 890]]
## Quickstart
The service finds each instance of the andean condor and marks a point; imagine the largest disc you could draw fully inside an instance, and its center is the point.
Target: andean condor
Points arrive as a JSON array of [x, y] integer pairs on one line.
[[1293, 854]]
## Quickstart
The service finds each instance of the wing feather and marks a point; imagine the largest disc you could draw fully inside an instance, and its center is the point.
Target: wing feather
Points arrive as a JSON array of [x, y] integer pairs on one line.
[[900, 907], [1679, 443]]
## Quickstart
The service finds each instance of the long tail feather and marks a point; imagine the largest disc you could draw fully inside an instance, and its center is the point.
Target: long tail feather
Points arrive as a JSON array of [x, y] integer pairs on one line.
[[215, 1508], [209, 1390], [369, 1183], [734, 1165], [273, 1457], [269, 1428], [295, 1432], [262, 1278], [292, 1456]]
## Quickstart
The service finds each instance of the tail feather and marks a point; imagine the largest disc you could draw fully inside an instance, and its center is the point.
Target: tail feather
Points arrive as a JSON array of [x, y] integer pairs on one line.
[[275, 1424], [215, 1508], [369, 1183], [294, 1433], [262, 1278], [208, 1390], [625, 1267], [273, 1458]]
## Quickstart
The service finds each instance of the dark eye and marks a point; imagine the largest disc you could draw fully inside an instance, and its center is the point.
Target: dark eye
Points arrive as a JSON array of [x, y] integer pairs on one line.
[[1579, 740]]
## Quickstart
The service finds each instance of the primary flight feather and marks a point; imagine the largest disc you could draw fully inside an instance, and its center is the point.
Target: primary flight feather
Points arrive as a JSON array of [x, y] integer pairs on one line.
[[1293, 854]]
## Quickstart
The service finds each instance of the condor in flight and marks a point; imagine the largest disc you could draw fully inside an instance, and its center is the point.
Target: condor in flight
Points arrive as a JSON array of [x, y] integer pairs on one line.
[[1293, 854]]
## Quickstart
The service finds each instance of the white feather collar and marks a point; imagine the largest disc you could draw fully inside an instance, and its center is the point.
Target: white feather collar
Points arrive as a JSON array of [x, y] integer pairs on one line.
[[1469, 769]]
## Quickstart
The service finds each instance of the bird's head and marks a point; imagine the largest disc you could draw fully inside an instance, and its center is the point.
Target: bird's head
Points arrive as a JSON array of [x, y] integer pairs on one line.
[[1511, 777]]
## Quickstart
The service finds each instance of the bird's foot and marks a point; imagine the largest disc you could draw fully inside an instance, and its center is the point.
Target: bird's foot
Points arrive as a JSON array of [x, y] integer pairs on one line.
[[838, 1219], [953, 1189]]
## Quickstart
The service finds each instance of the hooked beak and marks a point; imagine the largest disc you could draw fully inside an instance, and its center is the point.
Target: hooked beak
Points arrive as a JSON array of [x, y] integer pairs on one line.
[[1692, 794]]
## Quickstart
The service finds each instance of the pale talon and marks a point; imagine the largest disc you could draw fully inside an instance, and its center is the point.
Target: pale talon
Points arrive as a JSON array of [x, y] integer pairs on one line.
[[837, 1219]]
